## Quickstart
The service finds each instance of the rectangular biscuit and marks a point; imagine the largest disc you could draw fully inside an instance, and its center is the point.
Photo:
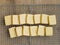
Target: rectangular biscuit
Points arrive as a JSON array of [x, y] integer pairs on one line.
[[30, 19], [26, 31], [19, 31], [12, 32], [37, 18], [22, 18], [15, 20], [52, 20], [33, 30], [49, 31], [41, 30], [44, 19], [8, 20]]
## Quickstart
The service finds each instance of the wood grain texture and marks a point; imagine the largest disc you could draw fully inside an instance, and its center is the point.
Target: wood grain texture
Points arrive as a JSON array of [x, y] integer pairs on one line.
[[16, 7], [48, 9], [37, 2], [29, 2]]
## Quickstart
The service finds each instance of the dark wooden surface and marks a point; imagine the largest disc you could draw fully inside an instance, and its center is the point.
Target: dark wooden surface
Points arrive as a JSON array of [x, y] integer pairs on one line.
[[29, 6], [30, 2]]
